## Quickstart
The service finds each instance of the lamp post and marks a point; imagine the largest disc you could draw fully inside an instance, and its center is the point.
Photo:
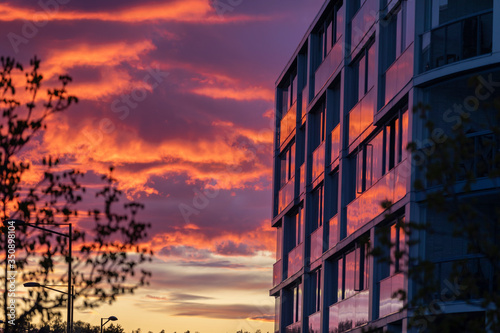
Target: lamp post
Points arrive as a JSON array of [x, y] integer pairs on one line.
[[70, 296], [36, 284], [70, 239], [112, 318]]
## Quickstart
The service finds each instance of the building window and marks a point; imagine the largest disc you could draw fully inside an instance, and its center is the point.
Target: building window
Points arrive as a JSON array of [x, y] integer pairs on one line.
[[353, 272], [287, 166], [319, 124], [289, 92], [381, 153], [369, 166], [364, 73], [355, 6], [398, 241], [330, 32], [297, 303], [298, 227], [279, 243], [277, 313], [399, 33], [318, 211], [445, 11], [316, 287], [396, 141], [396, 235]]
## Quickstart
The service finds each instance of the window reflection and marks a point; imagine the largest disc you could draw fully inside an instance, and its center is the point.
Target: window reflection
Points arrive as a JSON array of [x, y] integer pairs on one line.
[[329, 32], [316, 287], [318, 211], [382, 153], [287, 167], [352, 271]]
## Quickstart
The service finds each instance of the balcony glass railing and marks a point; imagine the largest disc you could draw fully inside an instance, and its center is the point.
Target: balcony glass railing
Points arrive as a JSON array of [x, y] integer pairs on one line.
[[456, 41], [392, 187], [318, 161], [399, 74], [286, 194], [316, 244], [361, 115], [288, 123], [388, 288], [277, 272], [328, 66], [335, 144], [314, 323], [479, 157], [294, 328], [333, 237], [349, 313], [362, 21], [295, 259]]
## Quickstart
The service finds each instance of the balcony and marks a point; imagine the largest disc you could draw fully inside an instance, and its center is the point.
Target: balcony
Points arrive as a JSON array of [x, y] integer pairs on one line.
[[315, 323], [477, 271], [398, 74], [349, 313], [316, 244], [362, 21], [388, 287], [277, 272], [318, 161], [286, 195], [392, 187], [294, 328], [361, 115], [457, 41], [328, 66], [288, 124], [334, 231], [335, 144], [295, 259], [479, 158]]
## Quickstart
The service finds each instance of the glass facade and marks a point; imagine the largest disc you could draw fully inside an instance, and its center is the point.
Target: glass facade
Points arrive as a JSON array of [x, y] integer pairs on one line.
[[362, 69]]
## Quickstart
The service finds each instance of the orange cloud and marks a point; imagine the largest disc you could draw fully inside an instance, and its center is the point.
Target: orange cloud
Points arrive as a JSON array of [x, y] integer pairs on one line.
[[262, 238], [98, 143], [244, 94], [197, 11], [220, 86]]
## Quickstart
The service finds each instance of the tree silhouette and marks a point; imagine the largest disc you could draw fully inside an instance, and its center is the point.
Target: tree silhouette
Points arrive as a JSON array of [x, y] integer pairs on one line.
[[106, 251]]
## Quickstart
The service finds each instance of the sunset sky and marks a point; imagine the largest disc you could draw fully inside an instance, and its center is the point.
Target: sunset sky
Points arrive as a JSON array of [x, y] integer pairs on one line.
[[178, 95]]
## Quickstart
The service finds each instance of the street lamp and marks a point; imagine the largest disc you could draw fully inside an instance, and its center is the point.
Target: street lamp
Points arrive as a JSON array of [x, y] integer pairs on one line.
[[70, 239], [112, 318], [36, 284]]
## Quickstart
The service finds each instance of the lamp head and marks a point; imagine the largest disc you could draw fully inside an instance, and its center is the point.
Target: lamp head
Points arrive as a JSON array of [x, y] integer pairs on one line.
[[16, 222], [113, 318], [31, 284]]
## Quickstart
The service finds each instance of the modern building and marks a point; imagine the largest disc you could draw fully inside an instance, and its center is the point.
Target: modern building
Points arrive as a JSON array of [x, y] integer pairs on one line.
[[343, 121]]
